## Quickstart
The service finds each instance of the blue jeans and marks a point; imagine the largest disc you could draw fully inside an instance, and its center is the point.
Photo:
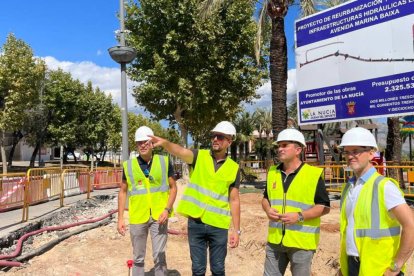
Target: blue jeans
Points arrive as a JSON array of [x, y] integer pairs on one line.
[[202, 236], [278, 257]]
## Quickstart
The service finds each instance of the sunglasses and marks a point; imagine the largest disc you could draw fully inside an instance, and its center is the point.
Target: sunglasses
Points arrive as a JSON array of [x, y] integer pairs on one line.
[[142, 143], [219, 137]]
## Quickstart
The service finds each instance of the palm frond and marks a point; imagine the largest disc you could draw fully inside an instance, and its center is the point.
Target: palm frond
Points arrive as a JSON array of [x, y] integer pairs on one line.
[[326, 4], [308, 7], [260, 27], [208, 7]]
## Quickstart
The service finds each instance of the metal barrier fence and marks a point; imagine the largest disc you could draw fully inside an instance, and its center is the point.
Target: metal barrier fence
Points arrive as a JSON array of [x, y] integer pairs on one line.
[[337, 175], [12, 191], [43, 184], [105, 178], [20, 190], [256, 166], [74, 182]]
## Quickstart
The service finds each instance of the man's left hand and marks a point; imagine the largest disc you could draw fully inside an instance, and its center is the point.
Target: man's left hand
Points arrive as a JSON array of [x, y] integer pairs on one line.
[[289, 218], [163, 217], [388, 272], [234, 239]]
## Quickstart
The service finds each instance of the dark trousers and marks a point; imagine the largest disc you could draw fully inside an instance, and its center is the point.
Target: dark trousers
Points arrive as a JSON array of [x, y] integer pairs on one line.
[[353, 266], [202, 236]]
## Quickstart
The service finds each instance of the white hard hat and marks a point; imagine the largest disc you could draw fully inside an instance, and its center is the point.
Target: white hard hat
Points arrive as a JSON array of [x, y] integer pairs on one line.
[[358, 136], [225, 127], [142, 134], [291, 134]]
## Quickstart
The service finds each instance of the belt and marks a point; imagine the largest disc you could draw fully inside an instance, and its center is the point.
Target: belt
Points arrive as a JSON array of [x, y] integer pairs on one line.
[[195, 219]]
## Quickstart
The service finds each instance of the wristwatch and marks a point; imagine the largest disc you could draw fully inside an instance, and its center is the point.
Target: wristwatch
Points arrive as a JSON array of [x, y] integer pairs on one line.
[[238, 232], [169, 210], [394, 267], [300, 217]]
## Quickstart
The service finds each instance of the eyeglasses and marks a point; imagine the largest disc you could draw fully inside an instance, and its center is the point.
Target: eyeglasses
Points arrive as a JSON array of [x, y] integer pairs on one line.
[[219, 137], [355, 153]]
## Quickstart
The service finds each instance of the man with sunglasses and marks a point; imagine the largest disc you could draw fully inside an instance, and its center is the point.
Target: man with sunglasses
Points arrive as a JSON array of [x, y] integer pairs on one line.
[[211, 200], [377, 225], [294, 200], [148, 181]]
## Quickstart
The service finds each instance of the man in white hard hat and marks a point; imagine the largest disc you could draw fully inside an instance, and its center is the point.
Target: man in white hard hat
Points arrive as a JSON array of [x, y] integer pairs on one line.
[[149, 182], [211, 200], [294, 200], [377, 225]]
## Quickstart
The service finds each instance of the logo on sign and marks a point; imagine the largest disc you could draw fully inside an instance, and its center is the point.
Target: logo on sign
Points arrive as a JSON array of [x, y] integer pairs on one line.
[[319, 112], [351, 108]]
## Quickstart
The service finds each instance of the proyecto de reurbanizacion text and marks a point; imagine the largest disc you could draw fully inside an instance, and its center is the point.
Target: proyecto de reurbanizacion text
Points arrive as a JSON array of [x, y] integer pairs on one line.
[[354, 18]]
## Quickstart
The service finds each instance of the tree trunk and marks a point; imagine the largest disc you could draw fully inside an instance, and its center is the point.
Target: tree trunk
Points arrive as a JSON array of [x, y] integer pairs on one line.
[[3, 153], [393, 150], [34, 154], [17, 136], [246, 150], [233, 151], [184, 139], [278, 75]]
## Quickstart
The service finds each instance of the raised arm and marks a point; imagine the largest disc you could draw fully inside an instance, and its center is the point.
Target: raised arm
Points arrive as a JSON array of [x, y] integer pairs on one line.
[[184, 154]]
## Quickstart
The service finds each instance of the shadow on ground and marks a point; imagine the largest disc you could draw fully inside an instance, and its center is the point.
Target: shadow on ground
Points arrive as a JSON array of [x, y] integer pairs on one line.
[[171, 272]]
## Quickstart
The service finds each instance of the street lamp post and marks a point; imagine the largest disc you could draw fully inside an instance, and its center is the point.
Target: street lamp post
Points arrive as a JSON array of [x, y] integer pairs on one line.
[[123, 55]]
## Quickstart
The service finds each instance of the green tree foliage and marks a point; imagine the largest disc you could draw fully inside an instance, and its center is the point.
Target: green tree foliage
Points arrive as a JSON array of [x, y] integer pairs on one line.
[[137, 120], [192, 71], [96, 118], [62, 100], [20, 75]]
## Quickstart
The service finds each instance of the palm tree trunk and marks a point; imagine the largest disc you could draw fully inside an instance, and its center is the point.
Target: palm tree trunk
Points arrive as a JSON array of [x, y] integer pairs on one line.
[[393, 150], [278, 75]]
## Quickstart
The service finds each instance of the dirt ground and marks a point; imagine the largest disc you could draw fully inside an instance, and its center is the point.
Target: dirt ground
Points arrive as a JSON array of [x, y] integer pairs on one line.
[[103, 251]]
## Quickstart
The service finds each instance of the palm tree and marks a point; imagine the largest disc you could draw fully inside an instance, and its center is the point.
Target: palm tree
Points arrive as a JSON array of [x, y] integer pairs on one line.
[[263, 123], [273, 12], [245, 126]]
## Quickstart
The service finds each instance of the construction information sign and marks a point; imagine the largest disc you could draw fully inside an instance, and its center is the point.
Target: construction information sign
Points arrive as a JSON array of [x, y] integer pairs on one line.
[[356, 61]]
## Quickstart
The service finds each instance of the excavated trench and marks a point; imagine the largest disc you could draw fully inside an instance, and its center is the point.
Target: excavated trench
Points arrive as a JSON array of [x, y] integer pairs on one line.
[[21, 245]]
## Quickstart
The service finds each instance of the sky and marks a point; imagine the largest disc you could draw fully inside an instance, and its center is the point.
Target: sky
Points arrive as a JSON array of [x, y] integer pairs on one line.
[[75, 35]]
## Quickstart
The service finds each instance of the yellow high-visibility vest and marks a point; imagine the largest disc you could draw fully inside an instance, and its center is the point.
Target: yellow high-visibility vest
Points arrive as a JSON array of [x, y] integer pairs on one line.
[[207, 195], [147, 196], [299, 197], [377, 235]]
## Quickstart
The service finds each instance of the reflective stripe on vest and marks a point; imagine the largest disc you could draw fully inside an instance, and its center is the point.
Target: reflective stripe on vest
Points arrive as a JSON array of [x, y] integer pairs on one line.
[[148, 196], [291, 203], [298, 198], [206, 206], [344, 193], [163, 188], [375, 232], [207, 195], [295, 227]]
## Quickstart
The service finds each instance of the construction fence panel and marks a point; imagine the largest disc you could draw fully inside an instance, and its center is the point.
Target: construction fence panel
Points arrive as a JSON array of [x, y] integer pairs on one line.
[[43, 184], [256, 166], [337, 175], [12, 191], [106, 178], [75, 181]]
